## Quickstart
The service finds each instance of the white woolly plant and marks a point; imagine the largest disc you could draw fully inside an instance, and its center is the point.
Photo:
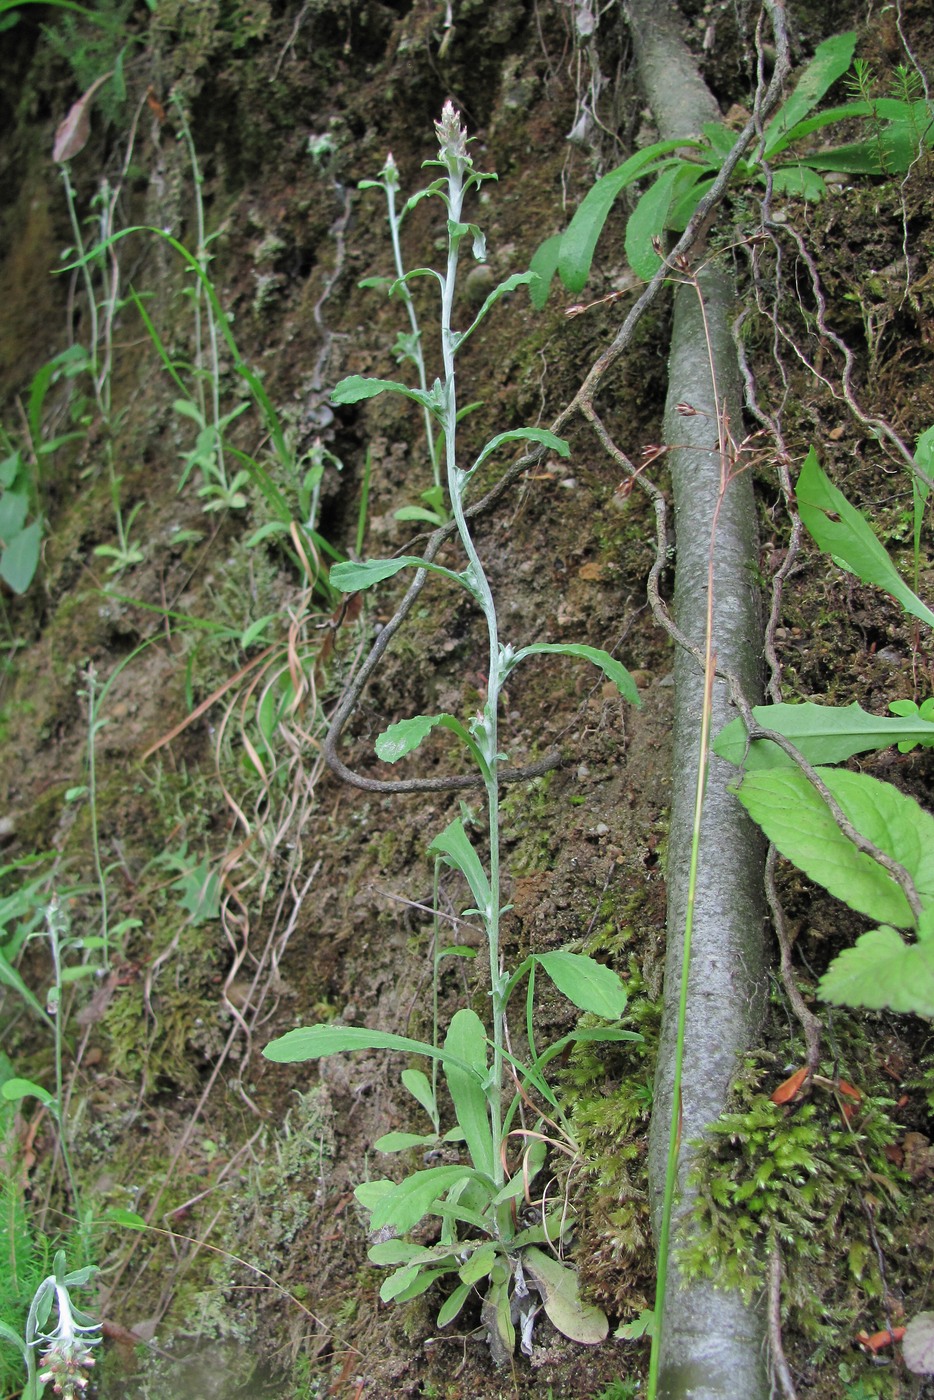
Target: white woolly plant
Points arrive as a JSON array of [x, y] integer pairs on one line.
[[483, 1242]]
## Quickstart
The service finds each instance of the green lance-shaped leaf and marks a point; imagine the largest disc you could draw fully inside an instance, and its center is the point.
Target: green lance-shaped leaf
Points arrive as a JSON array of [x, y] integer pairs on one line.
[[318, 1042], [406, 1204], [353, 578], [544, 264], [613, 670], [20, 559], [795, 817], [518, 279], [882, 971], [831, 60], [557, 1283], [652, 215], [453, 845], [841, 531], [15, 1089], [586, 983], [466, 1040], [822, 733], [11, 978], [580, 238], [453, 1304], [419, 1086]]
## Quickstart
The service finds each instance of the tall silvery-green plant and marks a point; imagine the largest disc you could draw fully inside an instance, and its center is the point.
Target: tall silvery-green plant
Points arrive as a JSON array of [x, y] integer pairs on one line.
[[482, 1242]]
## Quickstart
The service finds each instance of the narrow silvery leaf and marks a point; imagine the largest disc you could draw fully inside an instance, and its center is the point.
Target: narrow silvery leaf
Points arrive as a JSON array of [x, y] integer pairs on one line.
[[357, 386], [350, 577], [401, 738], [541, 435], [613, 670], [453, 845]]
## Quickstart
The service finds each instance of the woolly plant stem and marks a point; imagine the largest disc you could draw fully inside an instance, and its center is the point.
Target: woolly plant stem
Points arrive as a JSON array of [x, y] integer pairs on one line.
[[486, 729]]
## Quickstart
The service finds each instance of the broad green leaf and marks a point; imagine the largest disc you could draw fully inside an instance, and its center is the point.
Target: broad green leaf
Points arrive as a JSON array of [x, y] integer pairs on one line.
[[831, 60], [317, 1042], [544, 264], [613, 670], [466, 1041], [541, 435], [480, 1263], [398, 1252], [15, 1089], [356, 387], [588, 984], [454, 846], [370, 1193], [823, 734], [799, 181], [849, 538], [20, 559], [796, 819], [406, 1204], [881, 971], [401, 738], [419, 1086], [421, 1283], [14, 507], [557, 1283], [453, 1304], [580, 237], [417, 513], [398, 1282]]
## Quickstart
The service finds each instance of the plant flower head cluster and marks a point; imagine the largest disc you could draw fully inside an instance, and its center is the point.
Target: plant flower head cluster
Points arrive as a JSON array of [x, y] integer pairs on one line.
[[486, 1245]]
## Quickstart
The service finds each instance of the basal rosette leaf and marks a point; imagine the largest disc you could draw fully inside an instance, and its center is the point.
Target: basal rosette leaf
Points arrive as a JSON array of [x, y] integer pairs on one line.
[[466, 1041]]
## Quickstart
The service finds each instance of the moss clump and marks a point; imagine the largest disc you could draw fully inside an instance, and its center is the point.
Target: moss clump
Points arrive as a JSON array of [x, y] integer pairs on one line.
[[798, 1175], [606, 1091]]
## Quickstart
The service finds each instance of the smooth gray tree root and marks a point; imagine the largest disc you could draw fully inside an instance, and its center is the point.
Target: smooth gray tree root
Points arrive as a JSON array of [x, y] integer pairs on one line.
[[713, 1344]]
